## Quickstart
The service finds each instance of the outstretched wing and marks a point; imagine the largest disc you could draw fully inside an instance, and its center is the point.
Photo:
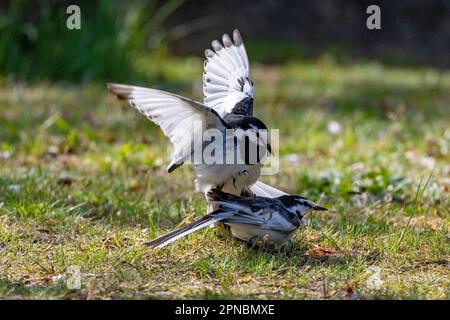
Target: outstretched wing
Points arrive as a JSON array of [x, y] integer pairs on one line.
[[226, 77], [178, 117]]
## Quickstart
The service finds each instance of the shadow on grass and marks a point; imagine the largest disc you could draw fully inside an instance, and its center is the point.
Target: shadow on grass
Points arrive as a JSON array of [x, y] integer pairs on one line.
[[300, 256]]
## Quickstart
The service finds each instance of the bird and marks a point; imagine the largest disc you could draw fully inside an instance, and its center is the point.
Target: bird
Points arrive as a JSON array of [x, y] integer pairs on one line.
[[227, 105], [253, 219]]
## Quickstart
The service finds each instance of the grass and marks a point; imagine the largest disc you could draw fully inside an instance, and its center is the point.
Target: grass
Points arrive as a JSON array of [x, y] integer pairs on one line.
[[83, 184]]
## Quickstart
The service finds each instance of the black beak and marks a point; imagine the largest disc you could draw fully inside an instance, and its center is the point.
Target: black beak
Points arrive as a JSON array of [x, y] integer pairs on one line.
[[319, 208]]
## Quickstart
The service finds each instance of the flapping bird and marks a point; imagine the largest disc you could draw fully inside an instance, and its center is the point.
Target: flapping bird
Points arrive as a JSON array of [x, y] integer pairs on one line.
[[228, 105]]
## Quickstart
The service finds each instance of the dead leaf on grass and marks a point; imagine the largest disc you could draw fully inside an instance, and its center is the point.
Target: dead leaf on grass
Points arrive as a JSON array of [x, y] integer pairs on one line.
[[320, 252]]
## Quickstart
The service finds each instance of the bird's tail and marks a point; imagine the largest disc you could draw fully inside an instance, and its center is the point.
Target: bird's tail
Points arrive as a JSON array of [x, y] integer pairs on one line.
[[201, 223]]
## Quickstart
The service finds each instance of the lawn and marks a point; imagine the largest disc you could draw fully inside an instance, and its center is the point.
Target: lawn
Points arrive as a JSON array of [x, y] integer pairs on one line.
[[83, 184]]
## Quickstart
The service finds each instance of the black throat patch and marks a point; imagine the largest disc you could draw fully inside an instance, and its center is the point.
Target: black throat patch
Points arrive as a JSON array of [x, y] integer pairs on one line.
[[244, 107]]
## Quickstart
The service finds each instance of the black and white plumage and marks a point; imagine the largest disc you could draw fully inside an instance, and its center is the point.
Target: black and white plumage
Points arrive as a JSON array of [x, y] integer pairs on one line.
[[227, 87], [252, 219], [229, 90], [228, 104]]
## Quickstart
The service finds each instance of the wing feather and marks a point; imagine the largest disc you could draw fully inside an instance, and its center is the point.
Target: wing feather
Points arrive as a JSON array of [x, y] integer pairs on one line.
[[201, 223], [177, 116], [263, 190], [226, 77]]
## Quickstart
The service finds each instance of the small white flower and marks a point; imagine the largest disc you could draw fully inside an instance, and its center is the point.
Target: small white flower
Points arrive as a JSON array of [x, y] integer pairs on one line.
[[425, 161], [14, 188], [292, 158], [5, 155], [334, 127]]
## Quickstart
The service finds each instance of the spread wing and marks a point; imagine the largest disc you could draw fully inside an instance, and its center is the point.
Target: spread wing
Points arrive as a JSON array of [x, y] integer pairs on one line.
[[226, 77], [178, 117]]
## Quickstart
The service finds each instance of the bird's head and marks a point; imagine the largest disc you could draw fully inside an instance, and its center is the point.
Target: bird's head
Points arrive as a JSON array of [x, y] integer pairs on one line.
[[300, 205]]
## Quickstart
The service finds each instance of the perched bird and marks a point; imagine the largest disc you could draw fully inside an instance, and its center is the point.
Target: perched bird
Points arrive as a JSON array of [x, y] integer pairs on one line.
[[228, 104], [252, 219]]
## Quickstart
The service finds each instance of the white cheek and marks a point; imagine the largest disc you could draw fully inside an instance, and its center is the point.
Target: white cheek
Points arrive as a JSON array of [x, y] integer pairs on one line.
[[304, 209]]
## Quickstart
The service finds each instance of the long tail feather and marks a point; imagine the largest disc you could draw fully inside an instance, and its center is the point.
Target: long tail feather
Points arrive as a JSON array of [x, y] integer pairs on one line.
[[203, 222]]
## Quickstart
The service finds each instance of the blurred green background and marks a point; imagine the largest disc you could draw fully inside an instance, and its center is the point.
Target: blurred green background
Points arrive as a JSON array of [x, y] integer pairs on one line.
[[131, 39], [115, 35]]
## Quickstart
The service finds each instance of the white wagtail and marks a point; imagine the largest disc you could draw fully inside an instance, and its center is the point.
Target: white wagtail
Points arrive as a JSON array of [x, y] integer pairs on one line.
[[228, 104], [252, 219]]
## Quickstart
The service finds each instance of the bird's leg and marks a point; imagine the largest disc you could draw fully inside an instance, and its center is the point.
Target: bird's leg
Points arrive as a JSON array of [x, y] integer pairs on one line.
[[210, 206], [287, 246], [252, 241], [290, 244], [221, 230]]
